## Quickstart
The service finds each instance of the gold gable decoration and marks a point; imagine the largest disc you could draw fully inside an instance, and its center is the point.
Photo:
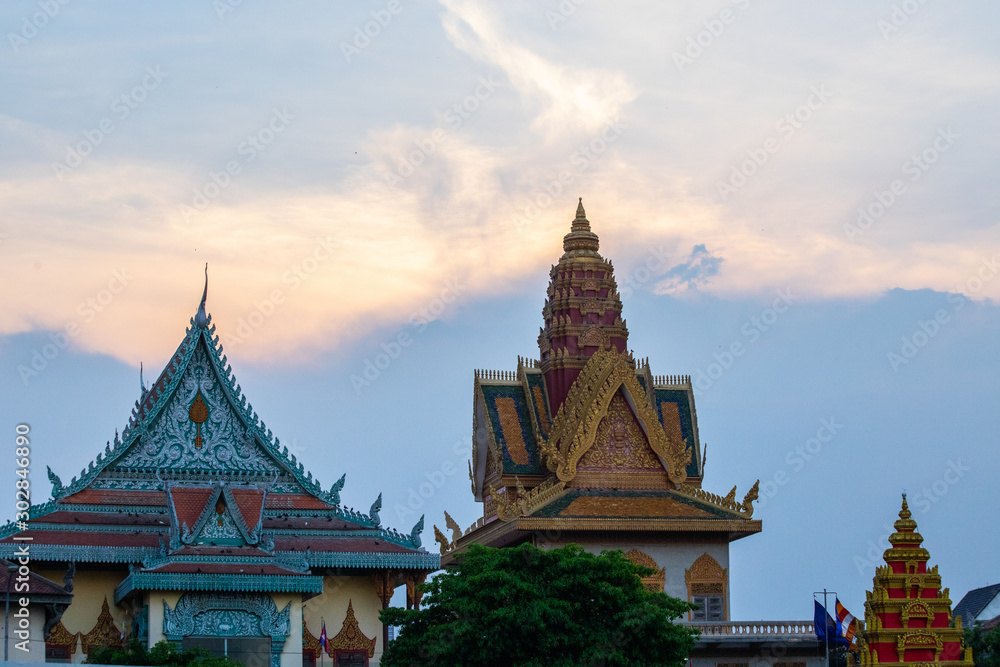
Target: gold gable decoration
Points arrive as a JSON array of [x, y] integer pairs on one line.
[[105, 632], [705, 577], [656, 582], [309, 642], [350, 637], [575, 427], [511, 504], [60, 636]]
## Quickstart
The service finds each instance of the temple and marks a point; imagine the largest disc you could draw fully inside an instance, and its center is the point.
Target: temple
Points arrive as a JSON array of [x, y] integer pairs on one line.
[[586, 445], [908, 618], [196, 526]]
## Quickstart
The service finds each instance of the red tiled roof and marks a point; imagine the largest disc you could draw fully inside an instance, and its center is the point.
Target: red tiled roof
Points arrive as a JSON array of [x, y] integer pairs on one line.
[[310, 522], [189, 503], [108, 497], [295, 501], [337, 544], [91, 539], [222, 568], [103, 518], [250, 552], [37, 584], [249, 504]]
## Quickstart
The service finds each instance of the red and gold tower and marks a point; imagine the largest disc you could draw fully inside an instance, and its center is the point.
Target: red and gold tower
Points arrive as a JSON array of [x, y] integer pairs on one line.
[[908, 619], [582, 311]]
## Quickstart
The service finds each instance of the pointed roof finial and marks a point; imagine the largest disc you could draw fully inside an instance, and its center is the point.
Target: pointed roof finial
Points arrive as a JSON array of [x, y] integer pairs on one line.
[[581, 242], [142, 384], [201, 319]]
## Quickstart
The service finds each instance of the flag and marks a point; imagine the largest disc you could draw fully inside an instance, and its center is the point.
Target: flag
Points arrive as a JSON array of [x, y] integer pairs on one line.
[[848, 624], [322, 639], [827, 629]]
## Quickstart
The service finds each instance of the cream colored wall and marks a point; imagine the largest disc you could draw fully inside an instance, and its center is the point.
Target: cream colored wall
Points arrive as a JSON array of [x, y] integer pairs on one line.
[[291, 655], [331, 605], [35, 642], [155, 600], [674, 557]]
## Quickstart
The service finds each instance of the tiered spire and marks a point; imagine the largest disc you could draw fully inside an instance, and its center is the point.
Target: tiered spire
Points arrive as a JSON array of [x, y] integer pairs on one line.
[[582, 312], [908, 617]]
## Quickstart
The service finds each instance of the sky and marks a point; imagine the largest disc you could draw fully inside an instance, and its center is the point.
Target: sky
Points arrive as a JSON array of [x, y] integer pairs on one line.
[[812, 184]]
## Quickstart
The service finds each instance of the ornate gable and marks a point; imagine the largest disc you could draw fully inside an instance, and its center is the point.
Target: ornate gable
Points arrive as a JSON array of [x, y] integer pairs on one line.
[[575, 429]]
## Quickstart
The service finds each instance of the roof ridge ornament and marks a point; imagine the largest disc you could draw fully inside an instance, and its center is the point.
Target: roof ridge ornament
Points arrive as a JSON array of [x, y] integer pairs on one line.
[[201, 319], [581, 241]]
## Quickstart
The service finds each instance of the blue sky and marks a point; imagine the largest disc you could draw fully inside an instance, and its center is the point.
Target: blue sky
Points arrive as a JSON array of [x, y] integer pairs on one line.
[[344, 191]]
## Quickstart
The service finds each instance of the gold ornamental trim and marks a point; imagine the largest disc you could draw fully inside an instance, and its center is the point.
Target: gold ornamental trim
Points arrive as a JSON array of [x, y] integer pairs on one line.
[[575, 427], [104, 633], [350, 637], [618, 524], [60, 636]]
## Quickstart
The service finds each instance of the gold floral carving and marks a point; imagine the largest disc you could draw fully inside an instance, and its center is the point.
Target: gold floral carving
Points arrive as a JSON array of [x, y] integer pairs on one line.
[[60, 636], [513, 504], [706, 577], [350, 637], [920, 640], [655, 582], [309, 642], [622, 507], [915, 609], [513, 435], [575, 427], [105, 632], [383, 586], [620, 442]]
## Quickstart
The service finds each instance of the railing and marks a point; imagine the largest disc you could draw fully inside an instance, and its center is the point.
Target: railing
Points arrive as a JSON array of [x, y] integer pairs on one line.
[[755, 629]]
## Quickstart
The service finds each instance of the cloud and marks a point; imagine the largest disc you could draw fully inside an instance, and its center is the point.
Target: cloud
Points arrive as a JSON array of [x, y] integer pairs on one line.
[[692, 275]]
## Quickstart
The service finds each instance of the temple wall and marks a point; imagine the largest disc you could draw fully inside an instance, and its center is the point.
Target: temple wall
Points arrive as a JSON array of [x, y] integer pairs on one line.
[[155, 601], [674, 558], [331, 605], [90, 589], [36, 624], [291, 655]]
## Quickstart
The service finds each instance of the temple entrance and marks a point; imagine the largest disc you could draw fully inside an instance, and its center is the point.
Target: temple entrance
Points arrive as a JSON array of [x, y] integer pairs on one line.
[[251, 651]]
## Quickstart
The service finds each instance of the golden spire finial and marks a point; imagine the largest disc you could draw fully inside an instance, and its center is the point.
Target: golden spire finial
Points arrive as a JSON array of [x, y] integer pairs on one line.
[[581, 242]]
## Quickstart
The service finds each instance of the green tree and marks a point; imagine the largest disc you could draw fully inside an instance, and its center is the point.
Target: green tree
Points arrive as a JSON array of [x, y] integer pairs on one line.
[[163, 653], [526, 606], [985, 645]]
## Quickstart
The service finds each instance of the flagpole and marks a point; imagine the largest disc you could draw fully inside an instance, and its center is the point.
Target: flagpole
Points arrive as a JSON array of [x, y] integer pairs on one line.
[[826, 629]]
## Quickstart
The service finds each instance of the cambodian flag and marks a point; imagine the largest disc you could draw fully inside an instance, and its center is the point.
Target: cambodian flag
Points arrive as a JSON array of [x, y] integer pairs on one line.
[[322, 639]]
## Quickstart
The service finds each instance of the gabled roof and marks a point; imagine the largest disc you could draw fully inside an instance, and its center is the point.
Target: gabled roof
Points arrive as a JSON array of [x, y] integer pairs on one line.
[[193, 442], [974, 602]]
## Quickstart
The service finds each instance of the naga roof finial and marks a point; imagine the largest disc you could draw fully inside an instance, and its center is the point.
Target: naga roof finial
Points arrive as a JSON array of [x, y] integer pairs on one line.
[[142, 383], [201, 319]]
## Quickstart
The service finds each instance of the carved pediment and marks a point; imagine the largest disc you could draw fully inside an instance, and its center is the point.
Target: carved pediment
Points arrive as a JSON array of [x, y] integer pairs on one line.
[[576, 427]]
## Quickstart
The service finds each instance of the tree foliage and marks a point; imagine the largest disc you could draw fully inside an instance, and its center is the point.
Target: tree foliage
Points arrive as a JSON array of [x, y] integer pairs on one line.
[[163, 653], [985, 645], [526, 606]]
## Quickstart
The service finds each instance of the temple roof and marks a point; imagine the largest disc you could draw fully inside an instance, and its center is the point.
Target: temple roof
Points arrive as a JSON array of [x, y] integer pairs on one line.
[[196, 467]]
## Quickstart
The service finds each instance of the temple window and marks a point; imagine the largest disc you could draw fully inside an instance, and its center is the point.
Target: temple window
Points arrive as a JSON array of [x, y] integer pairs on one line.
[[710, 608], [352, 659]]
